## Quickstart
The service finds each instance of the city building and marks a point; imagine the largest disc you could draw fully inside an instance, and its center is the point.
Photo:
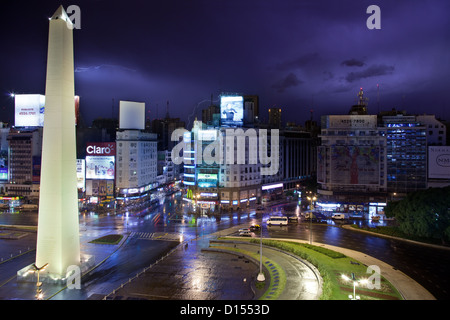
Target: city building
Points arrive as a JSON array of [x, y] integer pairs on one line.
[[351, 162], [275, 117], [251, 109], [4, 145], [366, 160], [136, 163], [436, 130], [406, 153], [211, 115], [298, 160], [24, 162]]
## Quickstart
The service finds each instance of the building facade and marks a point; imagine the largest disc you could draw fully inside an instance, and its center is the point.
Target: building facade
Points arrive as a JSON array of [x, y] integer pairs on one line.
[[136, 168], [406, 153]]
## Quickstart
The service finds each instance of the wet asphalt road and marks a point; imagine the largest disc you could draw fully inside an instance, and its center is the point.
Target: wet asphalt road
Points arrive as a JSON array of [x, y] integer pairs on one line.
[[426, 265]]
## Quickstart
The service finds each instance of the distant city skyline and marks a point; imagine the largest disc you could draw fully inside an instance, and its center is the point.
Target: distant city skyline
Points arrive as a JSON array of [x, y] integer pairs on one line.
[[295, 55]]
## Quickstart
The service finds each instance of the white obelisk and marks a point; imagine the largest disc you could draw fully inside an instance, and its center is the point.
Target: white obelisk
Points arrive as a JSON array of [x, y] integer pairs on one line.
[[58, 241]]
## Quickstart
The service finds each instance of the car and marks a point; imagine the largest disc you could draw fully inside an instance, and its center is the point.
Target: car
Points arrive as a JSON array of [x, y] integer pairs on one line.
[[338, 216], [255, 227], [245, 232]]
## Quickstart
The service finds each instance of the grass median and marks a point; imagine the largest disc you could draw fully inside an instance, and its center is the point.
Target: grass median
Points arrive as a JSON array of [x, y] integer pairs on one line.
[[332, 265], [109, 239]]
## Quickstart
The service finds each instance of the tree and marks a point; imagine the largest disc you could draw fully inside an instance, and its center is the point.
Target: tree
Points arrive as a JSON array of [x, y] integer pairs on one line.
[[424, 213]]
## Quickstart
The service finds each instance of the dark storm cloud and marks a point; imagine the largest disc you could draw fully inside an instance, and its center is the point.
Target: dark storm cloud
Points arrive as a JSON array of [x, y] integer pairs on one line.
[[290, 80], [184, 51], [372, 71], [353, 63], [298, 62]]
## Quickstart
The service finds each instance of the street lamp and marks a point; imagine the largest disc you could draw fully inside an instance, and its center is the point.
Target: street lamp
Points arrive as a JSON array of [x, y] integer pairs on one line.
[[312, 199], [355, 281], [39, 294], [260, 277]]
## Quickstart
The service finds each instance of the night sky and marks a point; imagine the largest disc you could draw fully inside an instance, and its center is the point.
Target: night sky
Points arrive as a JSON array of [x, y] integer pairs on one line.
[[295, 54]]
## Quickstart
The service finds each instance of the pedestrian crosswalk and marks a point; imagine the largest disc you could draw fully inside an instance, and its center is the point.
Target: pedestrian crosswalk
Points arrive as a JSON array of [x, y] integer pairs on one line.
[[157, 236]]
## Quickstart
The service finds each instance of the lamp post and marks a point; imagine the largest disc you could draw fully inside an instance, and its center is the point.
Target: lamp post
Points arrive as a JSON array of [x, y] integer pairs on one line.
[[260, 276], [312, 199], [39, 294], [355, 281]]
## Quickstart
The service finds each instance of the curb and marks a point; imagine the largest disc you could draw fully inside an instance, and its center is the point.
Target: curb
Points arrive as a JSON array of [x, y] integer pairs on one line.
[[430, 245], [405, 285]]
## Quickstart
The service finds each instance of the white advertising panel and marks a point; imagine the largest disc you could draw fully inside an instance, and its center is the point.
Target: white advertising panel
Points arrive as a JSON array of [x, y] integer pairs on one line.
[[439, 162], [132, 115], [351, 121], [100, 167], [232, 110], [81, 172], [29, 110]]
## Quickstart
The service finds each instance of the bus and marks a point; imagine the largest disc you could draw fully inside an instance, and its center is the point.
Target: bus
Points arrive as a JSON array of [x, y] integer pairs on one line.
[[281, 221]]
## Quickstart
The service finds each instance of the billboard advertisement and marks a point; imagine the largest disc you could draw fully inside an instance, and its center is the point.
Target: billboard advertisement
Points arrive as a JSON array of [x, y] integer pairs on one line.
[[439, 162], [206, 180], [30, 108], [101, 148], [100, 167], [3, 173], [3, 164], [349, 121], [355, 165], [132, 115], [81, 173], [232, 110]]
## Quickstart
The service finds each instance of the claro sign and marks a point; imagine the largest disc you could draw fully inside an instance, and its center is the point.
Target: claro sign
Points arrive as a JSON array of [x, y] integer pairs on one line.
[[101, 148]]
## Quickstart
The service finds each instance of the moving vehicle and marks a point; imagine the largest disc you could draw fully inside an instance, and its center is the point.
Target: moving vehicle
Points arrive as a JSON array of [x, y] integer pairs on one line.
[[245, 232], [255, 227], [338, 216], [280, 221]]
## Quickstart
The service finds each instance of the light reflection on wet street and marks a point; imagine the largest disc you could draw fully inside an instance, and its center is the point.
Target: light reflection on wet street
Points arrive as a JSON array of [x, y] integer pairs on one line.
[[424, 264]]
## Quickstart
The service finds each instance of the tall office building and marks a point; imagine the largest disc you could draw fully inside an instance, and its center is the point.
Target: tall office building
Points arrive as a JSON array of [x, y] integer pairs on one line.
[[136, 166], [351, 161], [406, 152], [58, 243], [275, 117]]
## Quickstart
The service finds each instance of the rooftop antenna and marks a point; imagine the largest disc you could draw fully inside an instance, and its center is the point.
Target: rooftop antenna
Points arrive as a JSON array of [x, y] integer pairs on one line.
[[167, 110], [378, 97]]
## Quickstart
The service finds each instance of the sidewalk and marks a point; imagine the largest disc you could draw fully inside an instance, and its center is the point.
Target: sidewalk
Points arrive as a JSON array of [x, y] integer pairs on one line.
[[190, 274]]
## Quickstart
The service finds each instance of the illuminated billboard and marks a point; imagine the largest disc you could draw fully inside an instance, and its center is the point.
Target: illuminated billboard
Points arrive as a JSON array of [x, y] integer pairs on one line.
[[207, 176], [355, 165], [231, 110], [101, 148], [439, 162], [100, 167], [206, 180], [3, 173], [3, 164], [132, 115], [29, 110], [81, 173]]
